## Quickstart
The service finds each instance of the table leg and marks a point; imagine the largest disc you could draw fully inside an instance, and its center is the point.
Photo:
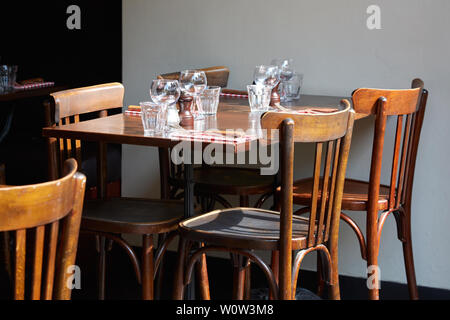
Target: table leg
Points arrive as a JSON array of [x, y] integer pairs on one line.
[[189, 212]]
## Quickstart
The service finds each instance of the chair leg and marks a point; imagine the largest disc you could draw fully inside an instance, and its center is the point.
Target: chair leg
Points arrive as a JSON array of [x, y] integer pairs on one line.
[[372, 268], [244, 202], [238, 277], [147, 267], [101, 267], [275, 268], [408, 256], [178, 287], [202, 276], [320, 280], [247, 283], [160, 277]]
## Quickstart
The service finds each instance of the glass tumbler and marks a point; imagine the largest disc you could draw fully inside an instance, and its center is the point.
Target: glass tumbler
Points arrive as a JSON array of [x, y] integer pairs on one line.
[[209, 100], [259, 97], [293, 86], [154, 118]]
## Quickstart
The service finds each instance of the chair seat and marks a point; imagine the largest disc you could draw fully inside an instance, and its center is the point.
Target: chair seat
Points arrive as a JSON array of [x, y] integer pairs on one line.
[[243, 228], [355, 195], [127, 215], [229, 180]]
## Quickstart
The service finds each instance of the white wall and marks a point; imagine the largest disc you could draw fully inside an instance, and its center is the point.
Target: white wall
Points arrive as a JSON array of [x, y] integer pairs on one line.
[[332, 46]]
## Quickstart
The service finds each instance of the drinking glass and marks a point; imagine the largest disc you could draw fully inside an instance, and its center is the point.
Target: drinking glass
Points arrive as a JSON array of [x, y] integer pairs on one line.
[[193, 83], [266, 75], [165, 92], [259, 97], [7, 77], [153, 118], [286, 73], [293, 87], [209, 100]]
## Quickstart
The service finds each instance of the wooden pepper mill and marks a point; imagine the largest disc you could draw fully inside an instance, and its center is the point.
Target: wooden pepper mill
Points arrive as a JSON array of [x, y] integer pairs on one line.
[[186, 117], [275, 97]]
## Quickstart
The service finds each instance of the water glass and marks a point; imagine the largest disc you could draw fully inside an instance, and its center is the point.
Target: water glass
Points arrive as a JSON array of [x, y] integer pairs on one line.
[[7, 77], [259, 97], [193, 83], [209, 100], [293, 86], [267, 75], [154, 117]]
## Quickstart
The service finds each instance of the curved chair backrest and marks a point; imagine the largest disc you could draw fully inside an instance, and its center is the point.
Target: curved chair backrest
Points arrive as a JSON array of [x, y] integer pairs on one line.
[[408, 106], [217, 76], [78, 101], [40, 209], [331, 133]]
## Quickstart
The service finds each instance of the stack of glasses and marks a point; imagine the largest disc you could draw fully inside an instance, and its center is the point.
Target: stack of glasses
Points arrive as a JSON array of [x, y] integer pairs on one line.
[[266, 77]]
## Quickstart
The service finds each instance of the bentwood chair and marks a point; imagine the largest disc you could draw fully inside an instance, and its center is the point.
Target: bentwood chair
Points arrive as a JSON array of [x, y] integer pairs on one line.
[[50, 213], [243, 230], [109, 218], [377, 200], [213, 182]]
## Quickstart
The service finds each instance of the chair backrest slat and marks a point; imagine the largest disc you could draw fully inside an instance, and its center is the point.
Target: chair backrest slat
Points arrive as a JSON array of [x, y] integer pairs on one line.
[[325, 193], [332, 188], [315, 195], [51, 257], [403, 160], [323, 130], [395, 164], [37, 264], [34, 207], [19, 280]]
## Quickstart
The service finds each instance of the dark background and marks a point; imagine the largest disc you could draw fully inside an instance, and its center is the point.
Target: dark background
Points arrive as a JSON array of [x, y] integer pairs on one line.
[[35, 37]]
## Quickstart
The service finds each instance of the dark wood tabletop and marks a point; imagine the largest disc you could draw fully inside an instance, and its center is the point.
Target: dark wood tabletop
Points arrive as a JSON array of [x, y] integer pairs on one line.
[[233, 114], [29, 93]]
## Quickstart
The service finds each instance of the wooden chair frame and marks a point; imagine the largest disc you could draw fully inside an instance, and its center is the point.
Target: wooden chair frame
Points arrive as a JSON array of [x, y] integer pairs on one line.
[[55, 208], [333, 131]]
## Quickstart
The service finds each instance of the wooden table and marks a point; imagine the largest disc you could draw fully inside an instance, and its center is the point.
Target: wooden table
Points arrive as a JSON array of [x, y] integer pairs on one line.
[[29, 93], [233, 113]]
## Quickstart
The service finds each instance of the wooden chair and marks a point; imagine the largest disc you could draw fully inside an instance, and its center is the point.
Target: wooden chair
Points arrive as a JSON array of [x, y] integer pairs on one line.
[[242, 230], [110, 218], [41, 209], [212, 182], [408, 107]]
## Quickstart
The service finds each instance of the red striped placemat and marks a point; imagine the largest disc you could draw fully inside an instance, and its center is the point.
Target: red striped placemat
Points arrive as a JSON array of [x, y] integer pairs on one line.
[[234, 95], [33, 85], [210, 136], [133, 113]]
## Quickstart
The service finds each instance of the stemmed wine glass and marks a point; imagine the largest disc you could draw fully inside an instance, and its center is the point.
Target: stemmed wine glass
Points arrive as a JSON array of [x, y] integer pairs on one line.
[[165, 92], [193, 83], [286, 73], [267, 75]]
